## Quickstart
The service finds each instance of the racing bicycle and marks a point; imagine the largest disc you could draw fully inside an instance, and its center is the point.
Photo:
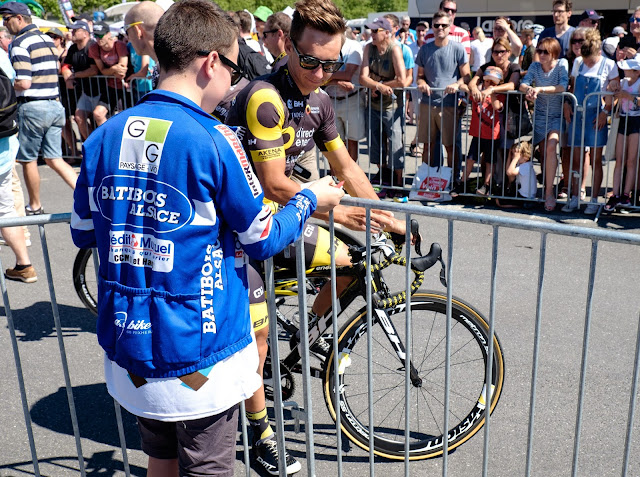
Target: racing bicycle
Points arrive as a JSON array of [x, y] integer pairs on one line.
[[469, 338]]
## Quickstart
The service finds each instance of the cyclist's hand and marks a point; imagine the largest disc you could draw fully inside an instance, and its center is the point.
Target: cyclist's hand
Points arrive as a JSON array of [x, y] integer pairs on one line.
[[399, 227], [327, 192], [355, 218]]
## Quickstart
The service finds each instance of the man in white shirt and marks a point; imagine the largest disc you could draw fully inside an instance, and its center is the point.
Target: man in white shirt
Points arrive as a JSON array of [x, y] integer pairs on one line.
[[348, 100]]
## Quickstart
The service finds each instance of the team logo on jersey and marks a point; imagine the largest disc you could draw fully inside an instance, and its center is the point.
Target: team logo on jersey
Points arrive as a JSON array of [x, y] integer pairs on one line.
[[142, 144], [234, 142], [141, 250]]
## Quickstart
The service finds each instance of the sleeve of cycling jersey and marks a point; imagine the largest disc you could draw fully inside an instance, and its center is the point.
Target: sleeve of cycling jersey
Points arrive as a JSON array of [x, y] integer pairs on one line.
[[240, 200], [327, 137], [82, 231]]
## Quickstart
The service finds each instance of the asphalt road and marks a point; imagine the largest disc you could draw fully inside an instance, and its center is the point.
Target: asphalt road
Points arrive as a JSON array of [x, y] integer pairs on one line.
[[610, 358]]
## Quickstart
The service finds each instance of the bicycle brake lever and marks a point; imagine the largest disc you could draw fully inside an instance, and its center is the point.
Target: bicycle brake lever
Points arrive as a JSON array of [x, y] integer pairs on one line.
[[415, 232], [443, 273]]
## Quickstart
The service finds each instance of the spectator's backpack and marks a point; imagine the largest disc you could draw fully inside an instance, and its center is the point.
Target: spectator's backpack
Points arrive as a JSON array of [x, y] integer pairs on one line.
[[8, 107]]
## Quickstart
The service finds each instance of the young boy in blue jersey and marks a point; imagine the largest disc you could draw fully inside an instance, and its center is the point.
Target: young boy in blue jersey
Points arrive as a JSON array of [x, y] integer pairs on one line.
[[167, 195]]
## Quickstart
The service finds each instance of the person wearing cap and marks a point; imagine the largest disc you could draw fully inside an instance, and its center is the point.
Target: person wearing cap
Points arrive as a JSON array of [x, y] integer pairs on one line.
[[79, 71], [561, 30], [112, 59], [610, 44], [383, 69], [628, 137], [41, 117], [590, 19], [260, 17], [442, 64]]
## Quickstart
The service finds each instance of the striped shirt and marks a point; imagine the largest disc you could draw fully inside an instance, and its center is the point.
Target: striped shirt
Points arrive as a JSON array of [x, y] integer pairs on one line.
[[33, 59], [456, 34]]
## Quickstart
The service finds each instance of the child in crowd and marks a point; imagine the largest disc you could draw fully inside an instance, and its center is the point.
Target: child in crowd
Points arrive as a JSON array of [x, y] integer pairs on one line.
[[485, 129], [521, 175], [628, 135]]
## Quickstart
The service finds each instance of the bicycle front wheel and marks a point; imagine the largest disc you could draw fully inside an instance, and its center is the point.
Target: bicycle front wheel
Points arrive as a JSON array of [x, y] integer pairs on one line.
[[467, 408]]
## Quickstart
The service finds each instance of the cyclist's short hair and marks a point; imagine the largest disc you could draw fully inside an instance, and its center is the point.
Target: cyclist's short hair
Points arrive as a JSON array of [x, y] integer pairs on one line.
[[321, 15], [178, 38], [279, 21]]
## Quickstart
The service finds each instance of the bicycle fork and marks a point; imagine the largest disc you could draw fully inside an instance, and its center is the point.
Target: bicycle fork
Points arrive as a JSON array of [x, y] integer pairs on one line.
[[398, 346]]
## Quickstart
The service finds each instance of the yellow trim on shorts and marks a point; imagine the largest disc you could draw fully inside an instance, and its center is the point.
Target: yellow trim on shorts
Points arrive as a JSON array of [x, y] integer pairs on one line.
[[259, 315]]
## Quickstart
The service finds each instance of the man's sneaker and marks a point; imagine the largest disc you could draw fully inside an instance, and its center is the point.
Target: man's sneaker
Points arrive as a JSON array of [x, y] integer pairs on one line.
[[593, 207], [482, 190], [266, 454], [27, 275], [571, 205]]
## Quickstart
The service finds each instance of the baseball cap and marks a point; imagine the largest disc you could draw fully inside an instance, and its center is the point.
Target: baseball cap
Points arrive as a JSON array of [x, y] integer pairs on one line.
[[262, 13], [100, 29], [55, 31], [15, 8], [631, 64], [83, 16], [379, 22], [618, 31], [537, 28], [80, 25], [493, 73], [591, 14]]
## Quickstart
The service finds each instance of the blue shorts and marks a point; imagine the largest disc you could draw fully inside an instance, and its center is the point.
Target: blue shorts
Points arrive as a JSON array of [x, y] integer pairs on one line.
[[40, 130]]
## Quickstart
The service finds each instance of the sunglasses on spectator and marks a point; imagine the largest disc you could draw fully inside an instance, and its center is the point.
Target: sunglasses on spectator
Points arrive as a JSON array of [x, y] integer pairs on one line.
[[266, 32], [129, 25], [7, 18], [631, 20], [236, 71], [378, 30], [450, 10], [440, 25], [309, 62], [542, 52], [499, 52], [576, 41]]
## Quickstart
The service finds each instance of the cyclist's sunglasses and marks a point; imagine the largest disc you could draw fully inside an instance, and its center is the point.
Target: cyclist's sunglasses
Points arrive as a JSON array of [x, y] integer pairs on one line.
[[236, 72], [309, 62]]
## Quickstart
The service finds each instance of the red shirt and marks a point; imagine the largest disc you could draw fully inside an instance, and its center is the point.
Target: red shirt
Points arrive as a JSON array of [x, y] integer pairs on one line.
[[488, 118], [110, 58]]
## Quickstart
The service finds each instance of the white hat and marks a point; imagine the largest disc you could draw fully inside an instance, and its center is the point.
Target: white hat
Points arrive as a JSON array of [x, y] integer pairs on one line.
[[631, 64], [618, 31]]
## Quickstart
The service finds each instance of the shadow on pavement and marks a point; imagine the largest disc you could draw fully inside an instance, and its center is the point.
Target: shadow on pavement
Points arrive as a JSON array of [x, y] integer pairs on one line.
[[35, 322], [96, 416]]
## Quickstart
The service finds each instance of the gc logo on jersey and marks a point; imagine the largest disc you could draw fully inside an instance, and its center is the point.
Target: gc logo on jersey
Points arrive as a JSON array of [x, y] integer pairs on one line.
[[142, 144]]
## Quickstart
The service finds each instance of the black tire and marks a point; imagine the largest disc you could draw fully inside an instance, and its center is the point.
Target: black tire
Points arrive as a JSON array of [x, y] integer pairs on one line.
[[469, 335], [84, 279]]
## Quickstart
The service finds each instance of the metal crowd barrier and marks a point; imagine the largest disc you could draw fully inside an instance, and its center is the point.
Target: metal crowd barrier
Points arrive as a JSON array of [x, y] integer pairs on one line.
[[382, 132], [499, 227]]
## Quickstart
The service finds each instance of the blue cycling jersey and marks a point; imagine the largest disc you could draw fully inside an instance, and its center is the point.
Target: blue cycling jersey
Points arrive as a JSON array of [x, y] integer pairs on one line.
[[168, 196]]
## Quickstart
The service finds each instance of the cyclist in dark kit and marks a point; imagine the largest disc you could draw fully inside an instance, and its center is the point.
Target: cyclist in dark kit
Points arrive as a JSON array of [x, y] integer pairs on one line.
[[279, 118]]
